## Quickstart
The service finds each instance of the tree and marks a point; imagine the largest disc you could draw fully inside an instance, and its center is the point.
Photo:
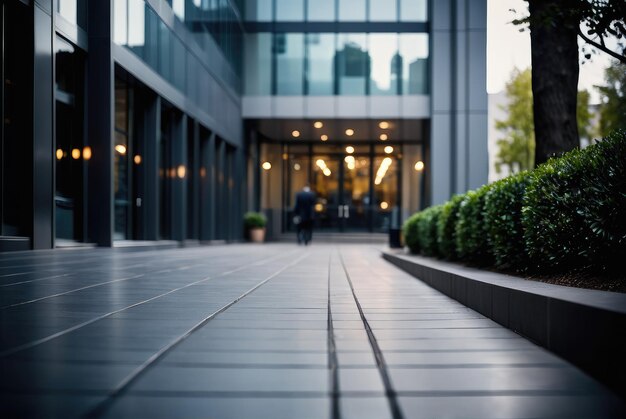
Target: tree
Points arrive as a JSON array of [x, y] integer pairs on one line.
[[613, 96], [555, 26], [517, 149]]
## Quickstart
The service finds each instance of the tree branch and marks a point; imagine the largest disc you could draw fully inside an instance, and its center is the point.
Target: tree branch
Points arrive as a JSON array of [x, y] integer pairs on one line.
[[602, 48]]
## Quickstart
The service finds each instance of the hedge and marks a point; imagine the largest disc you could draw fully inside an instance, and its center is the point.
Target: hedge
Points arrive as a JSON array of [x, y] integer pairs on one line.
[[446, 227], [567, 214]]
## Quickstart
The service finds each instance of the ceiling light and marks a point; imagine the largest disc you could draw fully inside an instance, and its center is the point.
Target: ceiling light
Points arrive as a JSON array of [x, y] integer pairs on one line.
[[59, 154], [384, 137], [384, 205], [419, 166], [181, 171], [383, 124], [266, 165], [388, 149], [324, 137], [86, 153], [120, 148], [349, 149], [318, 124], [295, 133], [349, 132], [76, 154], [137, 159], [296, 167]]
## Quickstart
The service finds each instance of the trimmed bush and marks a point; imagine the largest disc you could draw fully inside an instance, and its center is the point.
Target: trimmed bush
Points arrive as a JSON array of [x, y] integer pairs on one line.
[[471, 236], [409, 231], [427, 231], [575, 208], [503, 220], [254, 220], [446, 227]]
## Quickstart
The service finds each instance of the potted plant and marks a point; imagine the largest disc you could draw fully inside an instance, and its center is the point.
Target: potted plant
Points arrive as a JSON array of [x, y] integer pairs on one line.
[[255, 223]]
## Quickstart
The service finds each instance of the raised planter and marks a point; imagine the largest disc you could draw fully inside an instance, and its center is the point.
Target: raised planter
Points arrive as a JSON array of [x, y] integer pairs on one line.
[[585, 327]]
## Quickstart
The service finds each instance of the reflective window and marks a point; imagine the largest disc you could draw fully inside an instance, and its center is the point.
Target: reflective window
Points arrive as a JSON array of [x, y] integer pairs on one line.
[[259, 10], [353, 64], [321, 10], [120, 21], [414, 10], [290, 10], [320, 71], [382, 10], [352, 10], [258, 69], [414, 63], [74, 11], [383, 50], [289, 50]]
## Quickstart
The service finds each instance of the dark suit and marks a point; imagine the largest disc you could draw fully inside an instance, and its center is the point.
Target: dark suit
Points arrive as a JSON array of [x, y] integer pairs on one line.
[[305, 209]]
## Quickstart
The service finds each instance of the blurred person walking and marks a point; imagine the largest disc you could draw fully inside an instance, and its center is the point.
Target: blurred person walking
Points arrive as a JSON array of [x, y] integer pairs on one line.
[[304, 214]]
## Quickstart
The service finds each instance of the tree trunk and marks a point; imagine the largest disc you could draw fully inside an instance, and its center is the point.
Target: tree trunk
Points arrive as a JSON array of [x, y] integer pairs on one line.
[[554, 51]]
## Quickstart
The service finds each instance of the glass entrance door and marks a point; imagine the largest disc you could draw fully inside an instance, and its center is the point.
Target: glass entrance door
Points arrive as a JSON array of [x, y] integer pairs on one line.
[[356, 186]]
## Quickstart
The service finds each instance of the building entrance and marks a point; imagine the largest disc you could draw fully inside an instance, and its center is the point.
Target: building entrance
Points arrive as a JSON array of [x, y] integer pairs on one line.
[[356, 187]]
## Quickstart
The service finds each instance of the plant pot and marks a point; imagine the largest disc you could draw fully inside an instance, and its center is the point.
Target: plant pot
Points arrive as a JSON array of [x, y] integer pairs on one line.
[[257, 235]]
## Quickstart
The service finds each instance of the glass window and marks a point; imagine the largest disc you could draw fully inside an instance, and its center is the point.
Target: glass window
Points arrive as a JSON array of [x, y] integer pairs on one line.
[[320, 72], [383, 50], [321, 10], [179, 68], [289, 50], [120, 22], [414, 10], [259, 10], [414, 63], [258, 68], [353, 64], [290, 10], [74, 11], [383, 11], [352, 10], [165, 48]]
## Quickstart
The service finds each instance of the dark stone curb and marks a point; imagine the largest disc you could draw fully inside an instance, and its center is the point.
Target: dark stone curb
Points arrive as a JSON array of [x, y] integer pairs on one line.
[[585, 327]]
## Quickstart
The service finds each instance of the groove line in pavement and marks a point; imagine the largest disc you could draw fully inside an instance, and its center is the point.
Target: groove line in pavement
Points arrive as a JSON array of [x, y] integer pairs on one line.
[[123, 385], [37, 342], [333, 362], [391, 394]]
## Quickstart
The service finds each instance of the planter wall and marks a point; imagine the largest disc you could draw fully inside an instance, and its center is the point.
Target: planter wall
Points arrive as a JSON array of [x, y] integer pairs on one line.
[[585, 327]]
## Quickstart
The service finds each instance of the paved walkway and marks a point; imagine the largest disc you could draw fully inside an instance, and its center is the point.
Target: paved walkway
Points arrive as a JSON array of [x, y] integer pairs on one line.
[[272, 331]]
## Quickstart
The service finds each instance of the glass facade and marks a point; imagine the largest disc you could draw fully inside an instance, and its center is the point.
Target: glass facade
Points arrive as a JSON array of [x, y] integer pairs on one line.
[[351, 64], [335, 10], [138, 27]]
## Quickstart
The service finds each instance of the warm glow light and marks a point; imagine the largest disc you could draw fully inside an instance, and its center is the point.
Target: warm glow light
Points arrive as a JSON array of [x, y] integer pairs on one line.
[[389, 149], [181, 171], [349, 149], [320, 163], [296, 167], [120, 148], [285, 156], [382, 170], [318, 124], [59, 154], [383, 125], [324, 137], [295, 133], [349, 132], [137, 159], [326, 171], [419, 166], [384, 205], [384, 137], [266, 165], [319, 207], [350, 162], [76, 154], [87, 153], [203, 172]]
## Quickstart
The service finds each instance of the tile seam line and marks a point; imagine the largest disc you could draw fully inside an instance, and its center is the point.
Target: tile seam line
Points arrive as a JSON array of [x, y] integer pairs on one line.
[[32, 344], [390, 393], [125, 384], [333, 362]]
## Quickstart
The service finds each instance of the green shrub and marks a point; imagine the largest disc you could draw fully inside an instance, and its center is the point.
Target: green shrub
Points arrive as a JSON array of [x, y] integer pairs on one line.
[[254, 220], [427, 231], [446, 227], [471, 236], [503, 220], [409, 231], [575, 209]]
